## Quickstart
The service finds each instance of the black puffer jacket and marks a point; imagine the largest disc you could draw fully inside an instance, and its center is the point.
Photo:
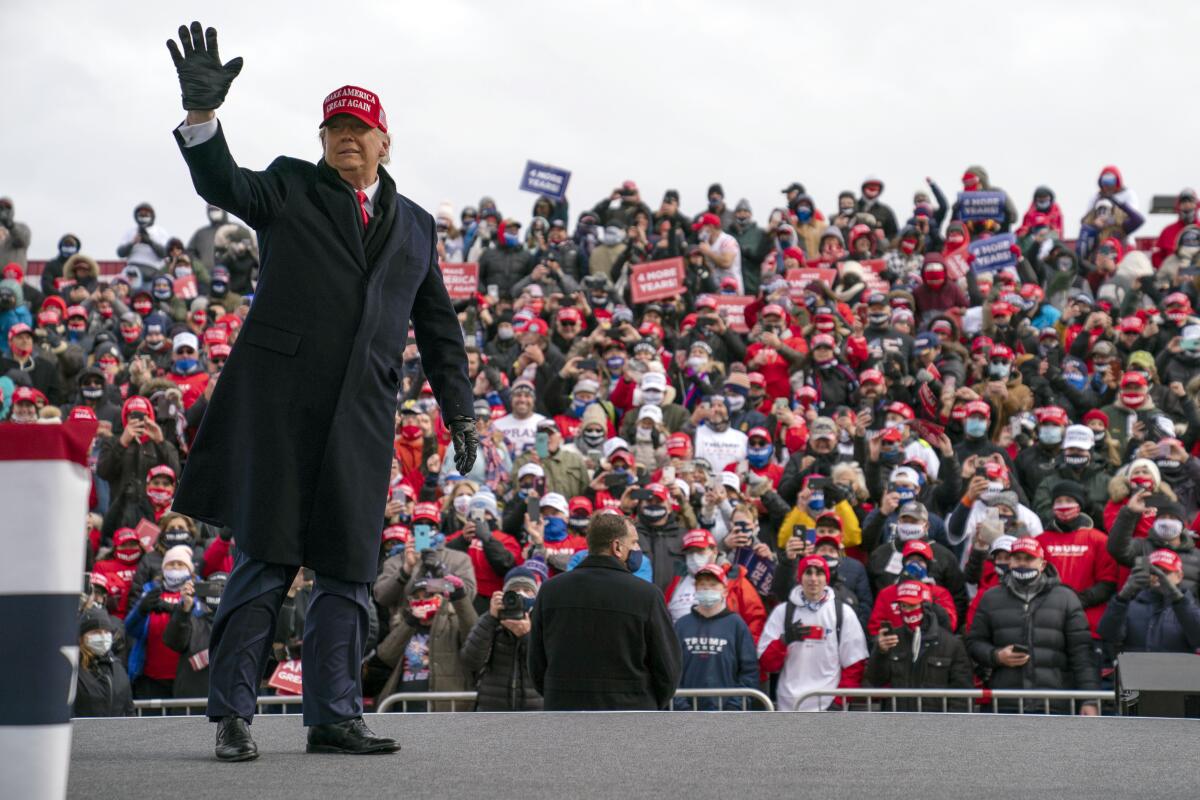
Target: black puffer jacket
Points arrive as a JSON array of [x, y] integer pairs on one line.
[[500, 663], [1051, 624], [1127, 550], [102, 690], [941, 663]]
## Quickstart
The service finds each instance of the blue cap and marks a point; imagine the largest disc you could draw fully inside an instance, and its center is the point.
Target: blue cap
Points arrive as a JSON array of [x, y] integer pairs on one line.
[[926, 340]]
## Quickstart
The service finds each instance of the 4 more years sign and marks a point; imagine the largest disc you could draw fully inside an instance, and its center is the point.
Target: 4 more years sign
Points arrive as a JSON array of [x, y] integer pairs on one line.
[[656, 280]]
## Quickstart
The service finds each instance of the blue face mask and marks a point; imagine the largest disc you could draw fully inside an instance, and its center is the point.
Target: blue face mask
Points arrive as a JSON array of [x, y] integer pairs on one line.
[[579, 406], [817, 501], [906, 493], [396, 549], [891, 456], [975, 427], [633, 561], [916, 570], [1075, 380], [759, 457], [186, 365], [615, 363], [162, 294], [512, 241], [555, 529], [804, 214]]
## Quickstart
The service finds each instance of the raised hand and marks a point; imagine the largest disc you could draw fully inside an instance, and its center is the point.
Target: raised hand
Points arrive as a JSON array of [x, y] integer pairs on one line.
[[202, 77], [466, 442]]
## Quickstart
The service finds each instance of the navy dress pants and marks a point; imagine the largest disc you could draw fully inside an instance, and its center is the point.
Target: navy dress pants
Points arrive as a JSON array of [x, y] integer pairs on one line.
[[335, 631]]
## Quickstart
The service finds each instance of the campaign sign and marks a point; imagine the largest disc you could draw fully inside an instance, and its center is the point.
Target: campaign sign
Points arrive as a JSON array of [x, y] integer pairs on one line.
[[287, 678], [461, 280], [656, 280], [545, 180], [733, 308], [147, 534], [800, 277], [981, 205], [759, 571], [993, 253], [185, 287]]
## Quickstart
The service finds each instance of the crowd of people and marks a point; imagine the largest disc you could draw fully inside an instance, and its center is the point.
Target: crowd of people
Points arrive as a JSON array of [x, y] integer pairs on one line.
[[889, 463]]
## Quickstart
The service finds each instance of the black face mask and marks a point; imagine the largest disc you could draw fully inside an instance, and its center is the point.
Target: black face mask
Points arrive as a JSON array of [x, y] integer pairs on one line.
[[173, 538], [652, 515], [92, 392]]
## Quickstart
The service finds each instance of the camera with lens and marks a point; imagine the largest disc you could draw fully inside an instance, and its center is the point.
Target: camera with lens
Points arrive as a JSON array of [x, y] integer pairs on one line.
[[513, 605]]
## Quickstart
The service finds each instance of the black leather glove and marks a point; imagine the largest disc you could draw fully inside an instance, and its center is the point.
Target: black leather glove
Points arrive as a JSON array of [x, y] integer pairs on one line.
[[795, 632], [1138, 579], [466, 443], [202, 78], [1169, 591], [151, 599]]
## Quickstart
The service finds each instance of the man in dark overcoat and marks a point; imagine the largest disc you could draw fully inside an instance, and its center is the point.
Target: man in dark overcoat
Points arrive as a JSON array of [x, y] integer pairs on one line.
[[294, 451]]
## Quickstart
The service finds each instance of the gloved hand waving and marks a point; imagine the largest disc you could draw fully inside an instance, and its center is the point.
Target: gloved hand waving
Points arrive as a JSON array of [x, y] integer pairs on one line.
[[202, 77], [466, 443]]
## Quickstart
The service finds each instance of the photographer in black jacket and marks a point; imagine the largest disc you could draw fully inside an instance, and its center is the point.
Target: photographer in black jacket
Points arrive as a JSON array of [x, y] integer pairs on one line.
[[497, 648]]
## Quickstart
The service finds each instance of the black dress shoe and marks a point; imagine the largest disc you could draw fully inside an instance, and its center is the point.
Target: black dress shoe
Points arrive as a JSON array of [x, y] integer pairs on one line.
[[234, 742], [352, 737]]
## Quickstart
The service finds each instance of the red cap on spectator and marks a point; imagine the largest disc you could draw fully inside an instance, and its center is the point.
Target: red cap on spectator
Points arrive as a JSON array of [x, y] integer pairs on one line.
[[395, 533], [756, 379], [982, 343], [1002, 351], [706, 218], [1167, 560], [1052, 415], [570, 314], [773, 310], [427, 511], [811, 561], [100, 581], [706, 301], [81, 413], [217, 334], [713, 571], [357, 102], [794, 252], [125, 536], [679, 445], [20, 327], [698, 537], [1133, 324], [1133, 379], [1115, 245], [161, 471], [219, 351], [828, 520], [579, 503], [759, 431], [659, 491], [822, 340], [47, 318], [903, 409], [870, 376], [77, 311], [919, 547], [911, 593], [1095, 413], [1029, 546], [536, 325]]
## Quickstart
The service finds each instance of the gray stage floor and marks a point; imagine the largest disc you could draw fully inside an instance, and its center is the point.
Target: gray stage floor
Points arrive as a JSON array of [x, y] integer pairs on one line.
[[663, 755]]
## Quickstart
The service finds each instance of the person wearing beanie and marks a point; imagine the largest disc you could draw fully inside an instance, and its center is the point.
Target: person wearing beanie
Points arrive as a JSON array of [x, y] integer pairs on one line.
[[497, 648], [152, 665], [814, 641], [1078, 550], [1164, 523], [101, 682], [492, 551], [1138, 476]]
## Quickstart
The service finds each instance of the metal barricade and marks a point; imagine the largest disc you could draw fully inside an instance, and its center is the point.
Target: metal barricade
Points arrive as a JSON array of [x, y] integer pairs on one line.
[[1028, 701], [197, 705], [402, 699], [747, 695]]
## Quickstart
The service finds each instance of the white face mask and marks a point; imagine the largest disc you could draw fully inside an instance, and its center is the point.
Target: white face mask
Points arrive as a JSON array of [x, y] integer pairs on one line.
[[696, 560], [909, 531], [461, 504], [1167, 529], [652, 397], [98, 643], [697, 363]]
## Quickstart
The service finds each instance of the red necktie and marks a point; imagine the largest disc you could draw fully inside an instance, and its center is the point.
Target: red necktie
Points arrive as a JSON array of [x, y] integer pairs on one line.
[[362, 206]]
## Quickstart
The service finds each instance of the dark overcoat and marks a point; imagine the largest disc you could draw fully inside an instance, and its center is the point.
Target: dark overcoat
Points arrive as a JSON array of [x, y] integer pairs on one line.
[[295, 449]]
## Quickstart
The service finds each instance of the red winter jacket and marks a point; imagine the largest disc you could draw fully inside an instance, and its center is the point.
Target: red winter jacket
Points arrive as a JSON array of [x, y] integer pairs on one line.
[[741, 598], [119, 575], [217, 557], [1082, 560], [885, 609]]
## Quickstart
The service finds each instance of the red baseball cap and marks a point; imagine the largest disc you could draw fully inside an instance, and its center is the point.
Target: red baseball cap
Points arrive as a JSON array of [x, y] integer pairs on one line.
[[981, 343], [427, 511], [660, 491], [794, 252], [822, 340], [760, 431], [161, 471], [651, 329], [773, 309], [99, 580], [579, 503], [919, 547], [570, 313], [903, 409], [536, 325], [1133, 379], [1132, 324], [811, 561], [1053, 415], [698, 537], [706, 219], [828, 520], [679, 445], [125, 536], [357, 102], [1029, 546], [81, 413], [978, 407], [910, 593], [1002, 351], [713, 571], [217, 334], [870, 376], [395, 533], [1167, 560], [47, 318], [756, 378], [219, 351], [706, 301], [19, 328]]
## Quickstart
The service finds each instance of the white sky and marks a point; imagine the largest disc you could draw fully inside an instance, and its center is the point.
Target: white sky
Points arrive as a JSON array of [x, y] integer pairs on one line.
[[671, 94]]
